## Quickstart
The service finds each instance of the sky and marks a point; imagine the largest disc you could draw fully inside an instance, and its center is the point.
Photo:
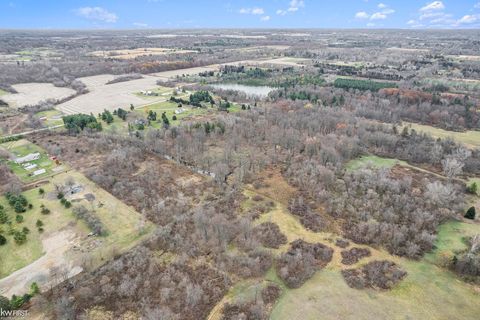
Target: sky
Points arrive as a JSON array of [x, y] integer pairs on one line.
[[158, 14]]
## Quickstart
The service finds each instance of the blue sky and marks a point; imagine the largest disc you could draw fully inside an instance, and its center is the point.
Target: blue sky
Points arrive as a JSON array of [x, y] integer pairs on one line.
[[131, 14]]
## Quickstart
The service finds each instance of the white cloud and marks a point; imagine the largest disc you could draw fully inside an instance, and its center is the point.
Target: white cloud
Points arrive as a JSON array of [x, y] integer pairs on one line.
[[469, 19], [381, 15], [378, 16], [294, 6], [97, 13], [256, 11], [265, 18], [477, 5], [370, 24], [362, 15], [433, 6], [411, 22]]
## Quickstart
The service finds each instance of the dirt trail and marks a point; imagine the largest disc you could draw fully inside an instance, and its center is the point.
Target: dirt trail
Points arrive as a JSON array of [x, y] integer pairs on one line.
[[55, 246], [22, 120]]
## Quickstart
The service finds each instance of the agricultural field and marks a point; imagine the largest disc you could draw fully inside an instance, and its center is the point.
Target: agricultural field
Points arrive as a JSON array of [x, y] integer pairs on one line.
[[34, 93], [36, 163], [66, 240], [122, 94], [139, 52]]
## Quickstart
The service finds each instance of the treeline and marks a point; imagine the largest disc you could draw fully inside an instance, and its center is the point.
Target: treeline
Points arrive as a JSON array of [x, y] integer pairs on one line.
[[362, 84]]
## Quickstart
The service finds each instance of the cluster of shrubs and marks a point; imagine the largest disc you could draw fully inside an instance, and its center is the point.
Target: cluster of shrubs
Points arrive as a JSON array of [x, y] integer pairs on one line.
[[309, 218], [258, 309], [106, 116], [354, 255], [467, 264], [200, 96], [67, 204], [20, 205], [301, 261], [269, 235], [18, 202], [90, 219], [121, 113], [376, 275], [18, 301]]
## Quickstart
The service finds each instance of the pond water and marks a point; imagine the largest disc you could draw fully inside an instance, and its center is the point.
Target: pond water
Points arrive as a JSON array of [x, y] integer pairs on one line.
[[261, 91]]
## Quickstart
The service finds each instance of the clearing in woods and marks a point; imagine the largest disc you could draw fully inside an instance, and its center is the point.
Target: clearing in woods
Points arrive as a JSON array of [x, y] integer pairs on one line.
[[471, 139]]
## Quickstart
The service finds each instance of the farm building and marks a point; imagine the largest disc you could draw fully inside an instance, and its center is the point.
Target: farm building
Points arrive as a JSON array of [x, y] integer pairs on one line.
[[38, 172], [28, 158]]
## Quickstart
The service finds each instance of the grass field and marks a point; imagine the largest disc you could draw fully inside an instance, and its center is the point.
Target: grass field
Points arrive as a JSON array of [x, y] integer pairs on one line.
[[51, 117], [16, 256], [169, 108], [22, 148], [163, 92], [452, 239], [470, 138], [428, 292], [377, 162], [3, 92], [125, 227]]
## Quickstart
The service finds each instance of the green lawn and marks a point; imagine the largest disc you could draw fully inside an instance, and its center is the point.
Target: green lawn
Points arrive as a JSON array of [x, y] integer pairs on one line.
[[377, 162], [163, 92], [451, 239], [3, 92], [53, 117], [22, 148]]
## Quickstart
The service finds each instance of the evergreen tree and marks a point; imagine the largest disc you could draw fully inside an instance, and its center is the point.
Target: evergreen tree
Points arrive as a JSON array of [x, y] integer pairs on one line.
[[471, 212]]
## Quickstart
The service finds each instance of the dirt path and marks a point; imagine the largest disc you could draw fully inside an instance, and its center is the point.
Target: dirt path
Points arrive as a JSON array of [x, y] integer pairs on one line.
[[22, 120], [55, 248], [33, 131]]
